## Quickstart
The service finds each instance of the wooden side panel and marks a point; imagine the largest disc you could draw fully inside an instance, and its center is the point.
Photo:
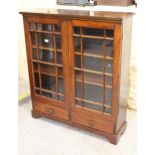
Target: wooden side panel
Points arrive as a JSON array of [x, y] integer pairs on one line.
[[124, 71]]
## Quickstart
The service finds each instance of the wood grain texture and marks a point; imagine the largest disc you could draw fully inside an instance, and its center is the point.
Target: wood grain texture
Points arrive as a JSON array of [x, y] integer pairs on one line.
[[124, 71], [77, 14], [115, 2]]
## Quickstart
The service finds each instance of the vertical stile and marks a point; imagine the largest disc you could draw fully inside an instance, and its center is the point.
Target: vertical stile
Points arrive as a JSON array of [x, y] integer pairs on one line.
[[82, 74], [104, 68], [36, 36], [55, 58]]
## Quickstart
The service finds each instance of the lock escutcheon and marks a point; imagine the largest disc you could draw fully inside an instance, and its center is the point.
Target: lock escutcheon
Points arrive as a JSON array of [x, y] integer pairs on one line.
[[50, 111]]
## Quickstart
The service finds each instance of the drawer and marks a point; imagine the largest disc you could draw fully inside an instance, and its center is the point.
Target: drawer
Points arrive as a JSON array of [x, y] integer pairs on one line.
[[92, 121], [51, 110]]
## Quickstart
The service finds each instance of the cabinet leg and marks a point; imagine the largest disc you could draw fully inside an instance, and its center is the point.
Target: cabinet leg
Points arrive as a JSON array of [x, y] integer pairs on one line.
[[35, 114], [115, 138]]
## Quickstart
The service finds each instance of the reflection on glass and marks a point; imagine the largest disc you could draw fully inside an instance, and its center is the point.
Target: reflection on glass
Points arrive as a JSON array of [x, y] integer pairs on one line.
[[45, 40], [109, 66]]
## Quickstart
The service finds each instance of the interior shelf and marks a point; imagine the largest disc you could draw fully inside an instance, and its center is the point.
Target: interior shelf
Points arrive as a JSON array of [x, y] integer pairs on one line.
[[46, 63], [93, 37], [94, 80]]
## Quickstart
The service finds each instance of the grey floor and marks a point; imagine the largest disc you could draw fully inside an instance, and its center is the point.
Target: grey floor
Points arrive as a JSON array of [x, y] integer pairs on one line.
[[47, 137]]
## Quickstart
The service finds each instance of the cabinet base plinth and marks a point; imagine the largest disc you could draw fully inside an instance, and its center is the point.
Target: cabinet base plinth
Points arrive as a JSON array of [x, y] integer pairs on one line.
[[35, 114], [113, 138]]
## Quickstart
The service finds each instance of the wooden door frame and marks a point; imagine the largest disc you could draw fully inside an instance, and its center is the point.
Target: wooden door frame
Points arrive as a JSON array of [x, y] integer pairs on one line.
[[62, 24], [116, 64]]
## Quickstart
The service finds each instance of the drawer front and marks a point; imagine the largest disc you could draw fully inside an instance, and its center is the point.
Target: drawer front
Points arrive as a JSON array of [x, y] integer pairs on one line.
[[92, 122], [51, 110]]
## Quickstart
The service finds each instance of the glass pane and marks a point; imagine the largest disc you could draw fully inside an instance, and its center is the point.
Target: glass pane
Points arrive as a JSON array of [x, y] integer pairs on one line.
[[108, 96], [78, 89], [78, 61], [60, 82], [33, 38], [93, 32], [35, 66], [37, 92], [46, 55], [80, 103], [57, 28], [45, 40], [48, 82], [76, 30], [109, 48], [60, 72], [58, 41], [49, 95], [93, 63], [93, 46], [107, 110], [93, 93], [32, 26], [36, 78], [61, 98], [109, 66], [110, 33], [77, 44], [108, 80], [44, 27], [94, 107], [59, 58], [34, 53], [47, 69]]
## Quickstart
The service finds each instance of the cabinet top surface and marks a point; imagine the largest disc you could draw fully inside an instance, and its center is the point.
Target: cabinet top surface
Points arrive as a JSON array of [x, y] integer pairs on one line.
[[118, 16]]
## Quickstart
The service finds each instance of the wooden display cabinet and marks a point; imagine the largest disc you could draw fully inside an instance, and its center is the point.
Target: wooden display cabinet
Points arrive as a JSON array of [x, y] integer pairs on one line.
[[78, 65]]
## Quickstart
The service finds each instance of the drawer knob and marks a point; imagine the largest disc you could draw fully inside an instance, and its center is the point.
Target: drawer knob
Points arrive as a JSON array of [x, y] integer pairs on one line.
[[50, 111], [90, 123]]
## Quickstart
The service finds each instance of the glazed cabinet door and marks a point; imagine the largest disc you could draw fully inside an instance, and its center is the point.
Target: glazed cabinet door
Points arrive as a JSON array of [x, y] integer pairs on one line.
[[46, 52], [94, 81]]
